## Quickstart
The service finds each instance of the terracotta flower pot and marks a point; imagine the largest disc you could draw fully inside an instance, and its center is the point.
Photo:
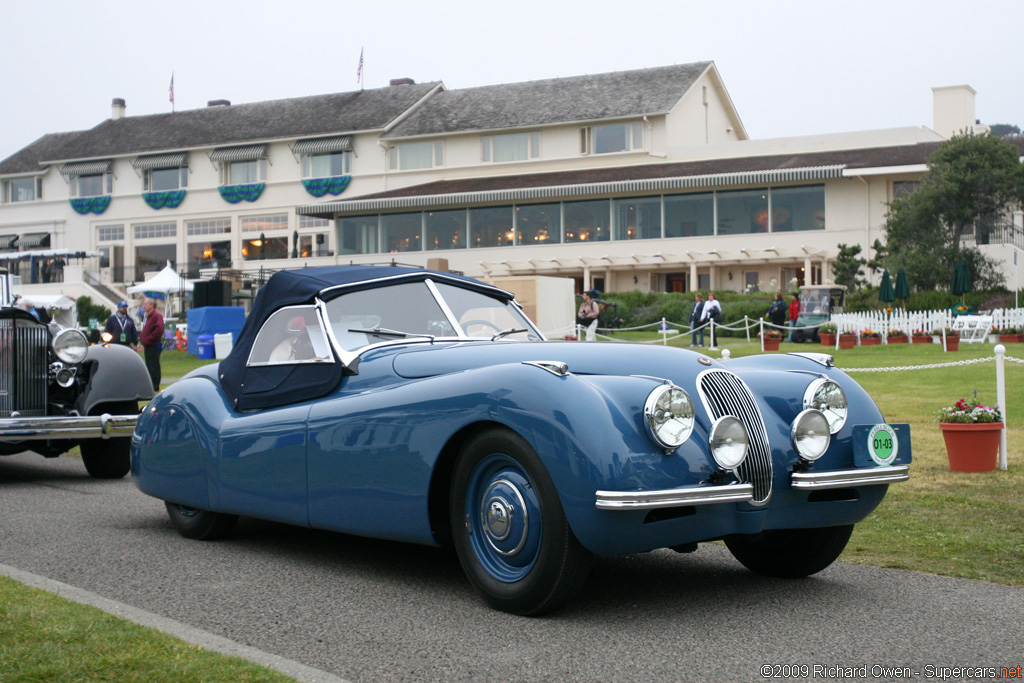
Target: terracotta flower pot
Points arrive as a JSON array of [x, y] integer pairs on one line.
[[771, 344], [1013, 338], [870, 341], [847, 341], [922, 339], [827, 338], [898, 340], [972, 446], [952, 343]]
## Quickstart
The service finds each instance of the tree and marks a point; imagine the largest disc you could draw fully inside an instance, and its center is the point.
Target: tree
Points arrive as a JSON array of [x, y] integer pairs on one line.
[[846, 267], [970, 179], [1003, 129]]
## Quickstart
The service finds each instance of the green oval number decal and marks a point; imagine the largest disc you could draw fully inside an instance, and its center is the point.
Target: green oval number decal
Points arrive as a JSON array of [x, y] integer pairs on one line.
[[882, 444]]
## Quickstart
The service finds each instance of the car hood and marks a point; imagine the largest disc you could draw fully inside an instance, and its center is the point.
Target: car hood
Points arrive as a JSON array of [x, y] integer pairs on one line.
[[582, 358]]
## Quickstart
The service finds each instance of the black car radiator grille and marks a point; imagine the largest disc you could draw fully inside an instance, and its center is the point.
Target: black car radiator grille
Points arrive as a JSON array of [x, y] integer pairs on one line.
[[23, 367], [723, 393]]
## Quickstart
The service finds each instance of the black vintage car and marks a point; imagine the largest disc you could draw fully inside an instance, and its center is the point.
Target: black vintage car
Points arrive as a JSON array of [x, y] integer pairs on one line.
[[58, 392]]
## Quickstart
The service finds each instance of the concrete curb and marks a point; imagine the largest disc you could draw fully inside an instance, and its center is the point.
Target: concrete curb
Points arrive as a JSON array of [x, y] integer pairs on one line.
[[189, 634]]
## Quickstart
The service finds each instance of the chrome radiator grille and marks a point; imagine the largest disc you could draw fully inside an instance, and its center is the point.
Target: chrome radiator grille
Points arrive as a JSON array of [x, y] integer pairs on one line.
[[23, 367], [723, 393]]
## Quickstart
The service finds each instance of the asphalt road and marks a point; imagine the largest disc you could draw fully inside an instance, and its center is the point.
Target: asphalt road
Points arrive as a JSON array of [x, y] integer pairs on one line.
[[368, 610]]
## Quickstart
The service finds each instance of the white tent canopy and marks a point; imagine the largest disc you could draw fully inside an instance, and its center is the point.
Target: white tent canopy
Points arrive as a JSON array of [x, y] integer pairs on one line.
[[166, 282]]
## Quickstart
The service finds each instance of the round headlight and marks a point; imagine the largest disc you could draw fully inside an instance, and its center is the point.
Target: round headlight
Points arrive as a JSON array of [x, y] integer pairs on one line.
[[669, 415], [70, 346], [810, 434], [828, 397], [729, 442]]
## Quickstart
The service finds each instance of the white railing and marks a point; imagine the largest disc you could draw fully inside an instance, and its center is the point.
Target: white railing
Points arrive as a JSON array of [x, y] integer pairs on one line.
[[908, 321]]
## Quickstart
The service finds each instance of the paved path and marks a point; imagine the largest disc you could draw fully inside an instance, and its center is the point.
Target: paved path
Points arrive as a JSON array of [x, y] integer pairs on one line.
[[367, 610]]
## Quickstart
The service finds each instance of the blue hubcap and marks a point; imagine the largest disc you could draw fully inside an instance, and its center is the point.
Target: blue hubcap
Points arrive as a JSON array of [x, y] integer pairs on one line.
[[503, 518]]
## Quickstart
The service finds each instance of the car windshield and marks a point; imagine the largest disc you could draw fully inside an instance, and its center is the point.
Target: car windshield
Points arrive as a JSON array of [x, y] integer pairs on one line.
[[816, 302], [370, 316]]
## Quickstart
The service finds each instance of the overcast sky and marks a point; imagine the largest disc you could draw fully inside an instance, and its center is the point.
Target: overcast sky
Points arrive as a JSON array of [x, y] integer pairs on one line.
[[792, 68]]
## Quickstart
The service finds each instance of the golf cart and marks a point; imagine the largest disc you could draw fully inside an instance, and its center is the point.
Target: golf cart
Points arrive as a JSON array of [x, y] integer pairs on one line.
[[817, 304]]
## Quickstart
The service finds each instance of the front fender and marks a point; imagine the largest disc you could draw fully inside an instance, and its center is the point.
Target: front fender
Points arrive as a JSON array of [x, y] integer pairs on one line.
[[116, 374]]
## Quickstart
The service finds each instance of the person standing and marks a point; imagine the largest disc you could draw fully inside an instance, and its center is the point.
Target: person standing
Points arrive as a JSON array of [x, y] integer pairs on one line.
[[712, 313], [152, 339], [695, 315], [794, 315], [587, 315], [121, 327], [777, 313]]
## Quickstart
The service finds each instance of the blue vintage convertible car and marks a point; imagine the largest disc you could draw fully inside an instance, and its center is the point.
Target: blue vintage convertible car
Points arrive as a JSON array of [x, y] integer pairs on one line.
[[425, 407]]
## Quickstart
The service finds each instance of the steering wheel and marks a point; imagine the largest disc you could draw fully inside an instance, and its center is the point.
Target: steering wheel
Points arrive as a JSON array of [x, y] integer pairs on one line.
[[486, 323]]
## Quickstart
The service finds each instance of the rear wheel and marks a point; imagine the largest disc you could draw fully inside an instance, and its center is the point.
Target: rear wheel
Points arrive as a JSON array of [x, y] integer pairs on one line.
[[109, 458], [798, 336], [201, 525], [790, 553], [509, 529]]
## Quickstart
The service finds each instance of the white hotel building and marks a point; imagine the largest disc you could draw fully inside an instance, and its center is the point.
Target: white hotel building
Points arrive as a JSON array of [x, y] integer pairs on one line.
[[629, 180]]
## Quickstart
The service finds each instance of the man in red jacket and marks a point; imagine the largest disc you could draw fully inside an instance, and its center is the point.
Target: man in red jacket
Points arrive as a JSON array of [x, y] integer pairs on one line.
[[152, 340]]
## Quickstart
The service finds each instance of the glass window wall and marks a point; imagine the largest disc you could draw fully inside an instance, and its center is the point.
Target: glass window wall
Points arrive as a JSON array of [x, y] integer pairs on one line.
[[490, 227], [587, 221], [539, 223], [446, 229], [358, 235], [798, 208], [742, 212], [637, 219], [690, 215], [401, 232]]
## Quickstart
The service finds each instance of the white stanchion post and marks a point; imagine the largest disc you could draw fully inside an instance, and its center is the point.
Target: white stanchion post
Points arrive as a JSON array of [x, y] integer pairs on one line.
[[944, 339], [1001, 401], [746, 325], [664, 332], [711, 322], [760, 324]]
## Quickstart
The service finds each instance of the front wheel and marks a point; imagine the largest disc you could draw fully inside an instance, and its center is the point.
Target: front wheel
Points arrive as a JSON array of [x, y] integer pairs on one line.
[[509, 529], [200, 525], [790, 553], [109, 458]]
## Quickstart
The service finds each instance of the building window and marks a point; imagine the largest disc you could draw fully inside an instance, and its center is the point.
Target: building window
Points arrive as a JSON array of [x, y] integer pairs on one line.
[[244, 172], [208, 226], [539, 224], [264, 223], [637, 219], [94, 185], [358, 235], [614, 137], [798, 208], [752, 281], [326, 165], [317, 244], [491, 227], [110, 233], [23, 190], [743, 212], [153, 257], [690, 215], [155, 230], [208, 255], [260, 248], [904, 188], [446, 229], [587, 221], [311, 222], [409, 156], [401, 231], [512, 147], [165, 179]]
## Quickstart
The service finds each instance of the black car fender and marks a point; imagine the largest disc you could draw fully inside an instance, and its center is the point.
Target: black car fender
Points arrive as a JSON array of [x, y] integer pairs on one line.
[[116, 373]]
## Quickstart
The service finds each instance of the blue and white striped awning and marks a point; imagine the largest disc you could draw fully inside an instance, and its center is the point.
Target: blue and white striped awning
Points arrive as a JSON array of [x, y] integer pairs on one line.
[[339, 143], [247, 153], [80, 168], [148, 163]]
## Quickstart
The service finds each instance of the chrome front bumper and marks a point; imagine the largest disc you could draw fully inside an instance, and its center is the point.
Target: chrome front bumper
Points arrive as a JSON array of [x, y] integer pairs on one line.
[[103, 426], [702, 494], [863, 476]]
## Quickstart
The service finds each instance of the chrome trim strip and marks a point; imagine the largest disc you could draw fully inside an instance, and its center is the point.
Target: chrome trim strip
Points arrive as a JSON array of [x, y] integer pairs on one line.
[[452, 320], [701, 494], [102, 426], [843, 478]]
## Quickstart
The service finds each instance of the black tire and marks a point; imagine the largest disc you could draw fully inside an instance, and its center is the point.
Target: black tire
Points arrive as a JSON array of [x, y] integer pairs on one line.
[[524, 559], [790, 553], [798, 336], [109, 458], [200, 525]]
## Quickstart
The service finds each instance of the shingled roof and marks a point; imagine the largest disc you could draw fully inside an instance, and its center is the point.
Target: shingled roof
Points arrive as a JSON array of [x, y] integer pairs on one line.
[[556, 100], [225, 125]]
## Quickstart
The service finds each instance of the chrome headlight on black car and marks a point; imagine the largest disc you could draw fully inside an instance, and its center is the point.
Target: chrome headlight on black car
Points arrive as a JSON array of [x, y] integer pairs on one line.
[[828, 397], [669, 416], [70, 346]]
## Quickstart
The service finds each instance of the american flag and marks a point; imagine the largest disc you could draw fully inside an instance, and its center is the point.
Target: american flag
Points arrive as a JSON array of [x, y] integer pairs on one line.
[[359, 71], [171, 90]]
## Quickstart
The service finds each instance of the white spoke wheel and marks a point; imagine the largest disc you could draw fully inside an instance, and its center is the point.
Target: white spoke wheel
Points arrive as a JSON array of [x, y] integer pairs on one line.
[[509, 529]]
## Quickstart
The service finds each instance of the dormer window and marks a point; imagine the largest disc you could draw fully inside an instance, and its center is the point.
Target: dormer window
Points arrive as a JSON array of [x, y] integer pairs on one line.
[[163, 172], [89, 178], [611, 138], [325, 157], [23, 189], [510, 147], [241, 165], [409, 156]]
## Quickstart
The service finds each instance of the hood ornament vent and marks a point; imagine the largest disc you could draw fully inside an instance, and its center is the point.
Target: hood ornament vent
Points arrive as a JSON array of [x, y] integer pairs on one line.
[[555, 367]]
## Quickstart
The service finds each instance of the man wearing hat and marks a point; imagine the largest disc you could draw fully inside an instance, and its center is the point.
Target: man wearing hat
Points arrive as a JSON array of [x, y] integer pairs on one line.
[[121, 327], [587, 315]]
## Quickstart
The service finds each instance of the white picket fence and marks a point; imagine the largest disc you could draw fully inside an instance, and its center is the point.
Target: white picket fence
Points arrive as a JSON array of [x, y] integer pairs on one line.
[[928, 321]]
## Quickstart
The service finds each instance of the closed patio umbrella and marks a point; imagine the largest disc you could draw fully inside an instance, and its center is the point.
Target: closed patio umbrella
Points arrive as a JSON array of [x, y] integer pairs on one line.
[[902, 289], [885, 291], [962, 279]]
